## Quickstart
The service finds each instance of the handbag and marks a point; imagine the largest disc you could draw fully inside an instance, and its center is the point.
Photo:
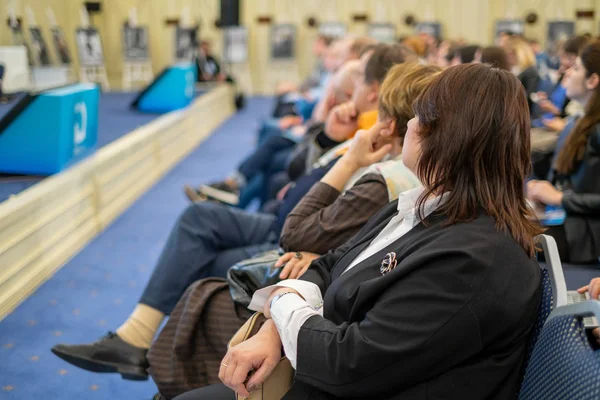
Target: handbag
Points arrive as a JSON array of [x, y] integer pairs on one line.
[[247, 276], [279, 382]]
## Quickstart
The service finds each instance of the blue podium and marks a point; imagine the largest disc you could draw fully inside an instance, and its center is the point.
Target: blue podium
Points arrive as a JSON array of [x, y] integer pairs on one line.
[[45, 133], [172, 89]]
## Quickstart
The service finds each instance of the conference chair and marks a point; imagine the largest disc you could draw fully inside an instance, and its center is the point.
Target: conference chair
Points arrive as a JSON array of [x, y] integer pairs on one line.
[[564, 364]]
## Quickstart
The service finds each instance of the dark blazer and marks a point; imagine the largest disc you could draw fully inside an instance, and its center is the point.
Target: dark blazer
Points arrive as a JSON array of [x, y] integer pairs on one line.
[[530, 80], [451, 321], [581, 201]]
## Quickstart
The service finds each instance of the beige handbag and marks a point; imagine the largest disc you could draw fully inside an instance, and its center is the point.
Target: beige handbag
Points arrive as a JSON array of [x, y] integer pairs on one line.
[[280, 380]]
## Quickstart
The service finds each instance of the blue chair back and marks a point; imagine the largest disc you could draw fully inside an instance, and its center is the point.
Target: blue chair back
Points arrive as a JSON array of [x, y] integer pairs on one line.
[[554, 291], [564, 365]]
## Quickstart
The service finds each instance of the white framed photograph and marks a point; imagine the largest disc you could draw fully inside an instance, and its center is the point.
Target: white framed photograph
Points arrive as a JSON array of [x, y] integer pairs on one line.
[[558, 33], [283, 42], [382, 32], [186, 40], [509, 25], [433, 29], [89, 47], [235, 45], [333, 29], [135, 43], [39, 49], [60, 46]]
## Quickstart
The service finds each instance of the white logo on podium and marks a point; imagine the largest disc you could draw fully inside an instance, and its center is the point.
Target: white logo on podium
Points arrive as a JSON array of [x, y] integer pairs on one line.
[[189, 84], [80, 129]]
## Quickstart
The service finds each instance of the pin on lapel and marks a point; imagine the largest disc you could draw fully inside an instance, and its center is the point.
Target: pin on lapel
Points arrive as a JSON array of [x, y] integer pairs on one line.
[[389, 263]]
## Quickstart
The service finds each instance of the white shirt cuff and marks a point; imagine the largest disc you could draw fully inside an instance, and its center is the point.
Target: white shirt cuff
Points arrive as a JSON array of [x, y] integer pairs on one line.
[[308, 290], [289, 313]]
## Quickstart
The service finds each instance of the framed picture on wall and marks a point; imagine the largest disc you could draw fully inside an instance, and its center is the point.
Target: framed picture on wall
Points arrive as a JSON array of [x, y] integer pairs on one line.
[[433, 29], [18, 38], [235, 45], [89, 47], [283, 42], [186, 40], [38, 47], [135, 43], [509, 25], [60, 46], [382, 32], [558, 33], [333, 29]]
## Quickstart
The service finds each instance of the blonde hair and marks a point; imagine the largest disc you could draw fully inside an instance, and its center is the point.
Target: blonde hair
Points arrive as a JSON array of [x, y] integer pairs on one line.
[[401, 87], [523, 53]]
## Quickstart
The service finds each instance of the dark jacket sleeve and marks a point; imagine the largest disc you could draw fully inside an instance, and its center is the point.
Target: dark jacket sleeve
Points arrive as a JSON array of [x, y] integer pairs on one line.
[[324, 219], [585, 199], [396, 341]]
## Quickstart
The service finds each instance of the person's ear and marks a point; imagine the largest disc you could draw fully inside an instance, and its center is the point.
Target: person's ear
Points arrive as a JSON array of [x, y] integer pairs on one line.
[[592, 82], [373, 93], [392, 126]]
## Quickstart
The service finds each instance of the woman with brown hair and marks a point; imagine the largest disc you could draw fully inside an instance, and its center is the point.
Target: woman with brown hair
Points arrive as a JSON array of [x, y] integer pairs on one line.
[[570, 197], [435, 297], [494, 56]]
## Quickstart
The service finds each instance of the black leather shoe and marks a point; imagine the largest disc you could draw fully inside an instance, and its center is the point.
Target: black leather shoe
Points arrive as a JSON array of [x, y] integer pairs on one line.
[[109, 354]]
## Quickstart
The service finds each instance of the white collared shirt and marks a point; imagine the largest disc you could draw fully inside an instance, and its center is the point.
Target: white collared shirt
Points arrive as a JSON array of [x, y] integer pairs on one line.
[[290, 312]]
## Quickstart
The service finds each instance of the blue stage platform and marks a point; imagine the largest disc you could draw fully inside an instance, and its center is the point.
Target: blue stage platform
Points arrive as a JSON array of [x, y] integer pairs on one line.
[[115, 119]]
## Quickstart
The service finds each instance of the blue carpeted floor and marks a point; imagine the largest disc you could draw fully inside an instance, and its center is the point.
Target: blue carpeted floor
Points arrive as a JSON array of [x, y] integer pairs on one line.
[[115, 119], [96, 291]]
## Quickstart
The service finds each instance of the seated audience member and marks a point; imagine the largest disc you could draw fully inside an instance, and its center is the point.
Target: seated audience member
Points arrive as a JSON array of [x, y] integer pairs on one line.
[[445, 53], [416, 44], [494, 56], [522, 63], [320, 46], [570, 197], [320, 222], [551, 109], [271, 156], [504, 37], [207, 65], [464, 55], [415, 292], [594, 294], [207, 240], [360, 113]]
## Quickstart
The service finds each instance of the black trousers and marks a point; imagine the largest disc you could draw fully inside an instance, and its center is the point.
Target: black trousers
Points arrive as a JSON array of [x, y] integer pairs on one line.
[[212, 392]]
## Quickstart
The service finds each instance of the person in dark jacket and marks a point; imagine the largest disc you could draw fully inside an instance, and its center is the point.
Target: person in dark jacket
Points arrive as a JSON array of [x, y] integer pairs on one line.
[[436, 296], [523, 64], [570, 197]]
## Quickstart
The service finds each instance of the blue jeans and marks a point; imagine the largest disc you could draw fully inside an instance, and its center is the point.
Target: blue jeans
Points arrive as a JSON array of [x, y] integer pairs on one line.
[[206, 241], [266, 157]]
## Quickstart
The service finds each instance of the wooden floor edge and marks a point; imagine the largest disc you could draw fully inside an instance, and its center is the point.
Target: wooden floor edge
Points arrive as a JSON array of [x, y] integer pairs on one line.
[[34, 274]]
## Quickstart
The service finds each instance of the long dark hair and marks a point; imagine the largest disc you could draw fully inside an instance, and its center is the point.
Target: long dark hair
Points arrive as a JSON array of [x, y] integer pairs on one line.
[[474, 135], [574, 148]]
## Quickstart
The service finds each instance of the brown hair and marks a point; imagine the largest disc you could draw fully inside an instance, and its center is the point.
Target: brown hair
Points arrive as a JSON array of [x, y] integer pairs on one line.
[[326, 39], [495, 56], [361, 45], [574, 148], [575, 44], [401, 87], [474, 135], [383, 58]]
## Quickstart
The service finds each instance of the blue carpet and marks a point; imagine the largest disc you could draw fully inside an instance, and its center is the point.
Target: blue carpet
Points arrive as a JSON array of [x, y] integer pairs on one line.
[[115, 119], [96, 291]]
